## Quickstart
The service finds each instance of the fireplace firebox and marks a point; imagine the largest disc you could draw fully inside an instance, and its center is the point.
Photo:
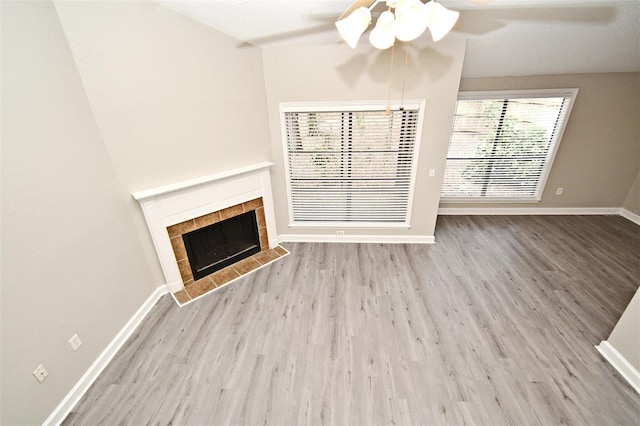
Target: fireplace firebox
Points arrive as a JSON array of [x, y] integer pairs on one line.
[[221, 244]]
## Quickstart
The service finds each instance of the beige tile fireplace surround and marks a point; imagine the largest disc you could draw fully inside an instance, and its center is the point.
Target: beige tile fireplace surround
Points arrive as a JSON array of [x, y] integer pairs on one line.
[[174, 210]]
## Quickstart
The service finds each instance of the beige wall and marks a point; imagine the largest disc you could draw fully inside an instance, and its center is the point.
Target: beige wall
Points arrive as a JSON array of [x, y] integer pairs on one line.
[[70, 259], [599, 156], [170, 95], [337, 73], [625, 337], [632, 202], [173, 98], [101, 99]]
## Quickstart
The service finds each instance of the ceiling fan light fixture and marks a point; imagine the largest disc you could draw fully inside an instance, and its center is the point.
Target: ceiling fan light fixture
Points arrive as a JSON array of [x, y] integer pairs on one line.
[[382, 36], [352, 27], [412, 19], [440, 19], [405, 20]]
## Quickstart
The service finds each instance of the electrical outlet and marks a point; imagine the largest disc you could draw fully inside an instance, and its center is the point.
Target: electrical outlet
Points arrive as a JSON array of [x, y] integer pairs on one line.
[[559, 191], [339, 232], [75, 342], [432, 172], [40, 373]]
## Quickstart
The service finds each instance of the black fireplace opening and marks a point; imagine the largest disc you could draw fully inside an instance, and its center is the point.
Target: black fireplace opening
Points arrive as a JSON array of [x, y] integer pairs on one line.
[[219, 245]]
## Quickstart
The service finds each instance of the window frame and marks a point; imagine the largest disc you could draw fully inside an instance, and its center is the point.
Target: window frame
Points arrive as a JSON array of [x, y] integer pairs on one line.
[[569, 94], [351, 106]]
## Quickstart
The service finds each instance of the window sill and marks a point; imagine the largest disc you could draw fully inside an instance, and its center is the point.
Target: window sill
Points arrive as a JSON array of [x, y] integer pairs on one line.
[[490, 200], [347, 225]]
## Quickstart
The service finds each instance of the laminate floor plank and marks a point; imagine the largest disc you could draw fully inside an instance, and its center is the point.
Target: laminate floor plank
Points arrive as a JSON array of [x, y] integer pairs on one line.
[[494, 324]]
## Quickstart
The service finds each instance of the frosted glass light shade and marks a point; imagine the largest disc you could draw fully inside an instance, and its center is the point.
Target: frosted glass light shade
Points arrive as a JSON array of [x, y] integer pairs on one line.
[[440, 19], [382, 36], [411, 20], [352, 27]]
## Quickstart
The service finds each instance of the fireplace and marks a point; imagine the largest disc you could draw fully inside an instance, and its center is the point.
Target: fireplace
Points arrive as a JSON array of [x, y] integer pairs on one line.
[[216, 246], [180, 208], [220, 250]]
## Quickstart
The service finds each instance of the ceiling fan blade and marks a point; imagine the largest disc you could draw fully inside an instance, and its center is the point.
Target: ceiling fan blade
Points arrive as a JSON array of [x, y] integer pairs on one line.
[[356, 4]]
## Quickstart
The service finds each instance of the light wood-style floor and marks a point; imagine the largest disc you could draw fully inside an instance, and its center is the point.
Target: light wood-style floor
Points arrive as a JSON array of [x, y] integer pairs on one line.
[[494, 324]]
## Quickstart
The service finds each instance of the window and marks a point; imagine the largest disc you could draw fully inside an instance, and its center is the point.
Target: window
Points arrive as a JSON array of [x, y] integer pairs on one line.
[[350, 164], [503, 143]]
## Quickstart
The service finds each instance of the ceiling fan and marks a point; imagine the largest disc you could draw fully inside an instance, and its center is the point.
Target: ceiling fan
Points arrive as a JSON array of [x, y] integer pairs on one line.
[[404, 20]]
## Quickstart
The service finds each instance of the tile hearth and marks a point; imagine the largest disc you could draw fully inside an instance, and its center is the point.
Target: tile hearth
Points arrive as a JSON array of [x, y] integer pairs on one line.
[[224, 276], [196, 288]]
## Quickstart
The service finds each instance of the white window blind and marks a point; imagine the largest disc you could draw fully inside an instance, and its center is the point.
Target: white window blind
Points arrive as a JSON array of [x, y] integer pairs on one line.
[[350, 165], [502, 144]]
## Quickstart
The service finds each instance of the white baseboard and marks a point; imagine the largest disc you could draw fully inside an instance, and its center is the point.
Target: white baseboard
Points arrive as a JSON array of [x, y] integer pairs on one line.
[[529, 211], [618, 211], [386, 239], [630, 215], [273, 242], [64, 408], [175, 287], [626, 370]]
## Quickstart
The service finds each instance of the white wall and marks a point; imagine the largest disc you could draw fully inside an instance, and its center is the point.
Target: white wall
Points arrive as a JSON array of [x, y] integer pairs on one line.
[[70, 260], [337, 73]]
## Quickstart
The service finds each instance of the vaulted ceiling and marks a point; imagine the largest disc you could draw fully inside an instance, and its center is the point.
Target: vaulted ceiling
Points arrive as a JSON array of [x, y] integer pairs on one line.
[[505, 38]]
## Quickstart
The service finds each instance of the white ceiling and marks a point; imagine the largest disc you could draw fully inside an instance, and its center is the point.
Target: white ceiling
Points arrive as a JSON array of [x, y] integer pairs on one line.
[[505, 38]]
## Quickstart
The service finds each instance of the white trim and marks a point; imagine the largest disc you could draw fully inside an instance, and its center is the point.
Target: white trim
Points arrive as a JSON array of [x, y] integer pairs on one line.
[[212, 193], [422, 110], [175, 286], [285, 157], [568, 94], [418, 104], [385, 239], [578, 211], [622, 366], [154, 192], [346, 225], [633, 217], [64, 408], [487, 200], [471, 95], [559, 211], [332, 106]]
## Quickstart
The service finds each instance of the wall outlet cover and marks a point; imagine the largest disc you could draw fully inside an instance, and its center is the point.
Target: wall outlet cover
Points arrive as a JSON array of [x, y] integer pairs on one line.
[[40, 373], [75, 342]]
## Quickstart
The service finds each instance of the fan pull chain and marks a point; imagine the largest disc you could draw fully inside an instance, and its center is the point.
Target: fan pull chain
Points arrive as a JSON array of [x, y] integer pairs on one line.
[[404, 75], [388, 112]]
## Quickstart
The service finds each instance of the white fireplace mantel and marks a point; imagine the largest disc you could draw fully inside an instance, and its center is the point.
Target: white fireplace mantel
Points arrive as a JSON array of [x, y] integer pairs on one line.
[[171, 204]]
